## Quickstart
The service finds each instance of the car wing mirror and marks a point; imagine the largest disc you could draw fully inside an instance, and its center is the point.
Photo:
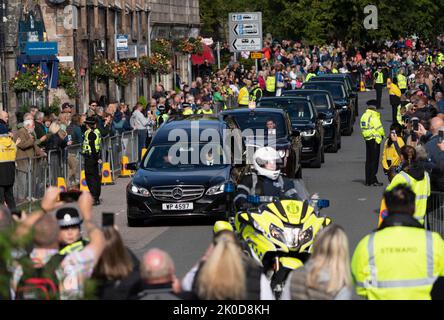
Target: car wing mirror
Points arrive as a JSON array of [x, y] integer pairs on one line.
[[133, 166]]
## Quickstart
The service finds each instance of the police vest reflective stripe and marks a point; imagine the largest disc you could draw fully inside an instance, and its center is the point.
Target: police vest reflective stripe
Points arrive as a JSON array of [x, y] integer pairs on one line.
[[187, 112], [202, 111], [370, 129], [404, 283], [243, 97], [253, 94], [86, 149], [421, 189], [334, 70], [73, 247], [402, 81], [379, 77], [270, 84], [309, 76]]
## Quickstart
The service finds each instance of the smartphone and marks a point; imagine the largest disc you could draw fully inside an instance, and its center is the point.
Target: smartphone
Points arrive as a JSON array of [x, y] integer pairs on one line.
[[107, 219], [441, 136], [70, 196], [17, 213], [415, 124]]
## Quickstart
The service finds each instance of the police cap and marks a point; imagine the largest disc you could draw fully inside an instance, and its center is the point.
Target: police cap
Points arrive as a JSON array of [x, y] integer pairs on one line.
[[90, 120], [68, 216]]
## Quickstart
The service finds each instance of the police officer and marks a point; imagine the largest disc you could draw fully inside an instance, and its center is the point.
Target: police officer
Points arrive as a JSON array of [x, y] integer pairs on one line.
[[270, 84], [162, 115], [187, 109], [373, 133], [256, 92], [8, 152], [266, 181], [69, 221], [400, 260], [91, 150], [379, 85]]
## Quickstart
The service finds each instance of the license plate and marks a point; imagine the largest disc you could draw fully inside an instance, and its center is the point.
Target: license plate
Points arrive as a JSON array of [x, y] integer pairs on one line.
[[178, 206]]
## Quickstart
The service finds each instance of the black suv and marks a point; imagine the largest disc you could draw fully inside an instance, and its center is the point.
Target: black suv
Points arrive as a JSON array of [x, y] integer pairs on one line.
[[307, 121], [253, 123], [186, 176], [324, 104], [346, 78], [343, 102]]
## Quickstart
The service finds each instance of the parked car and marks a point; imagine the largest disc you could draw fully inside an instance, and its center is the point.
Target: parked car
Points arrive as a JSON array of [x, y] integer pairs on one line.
[[304, 118], [253, 123], [183, 178], [343, 102], [324, 104]]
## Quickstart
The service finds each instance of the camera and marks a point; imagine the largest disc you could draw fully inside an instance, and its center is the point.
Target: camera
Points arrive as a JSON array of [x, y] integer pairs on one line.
[[441, 135], [70, 196], [107, 219]]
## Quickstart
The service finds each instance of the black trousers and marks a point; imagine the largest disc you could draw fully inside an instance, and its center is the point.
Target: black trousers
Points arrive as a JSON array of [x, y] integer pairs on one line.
[[7, 196], [394, 101], [92, 176], [372, 150], [378, 88]]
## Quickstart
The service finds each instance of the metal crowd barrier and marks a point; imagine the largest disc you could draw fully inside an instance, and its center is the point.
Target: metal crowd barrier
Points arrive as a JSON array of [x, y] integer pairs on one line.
[[31, 179], [435, 213], [34, 175]]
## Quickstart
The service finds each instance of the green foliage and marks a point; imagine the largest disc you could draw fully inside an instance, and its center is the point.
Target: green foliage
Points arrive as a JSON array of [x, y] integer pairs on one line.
[[318, 21], [31, 79], [53, 108], [142, 100], [67, 81], [163, 47]]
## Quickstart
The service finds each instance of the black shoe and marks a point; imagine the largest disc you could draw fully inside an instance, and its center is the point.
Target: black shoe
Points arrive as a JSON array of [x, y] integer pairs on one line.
[[377, 184], [96, 203]]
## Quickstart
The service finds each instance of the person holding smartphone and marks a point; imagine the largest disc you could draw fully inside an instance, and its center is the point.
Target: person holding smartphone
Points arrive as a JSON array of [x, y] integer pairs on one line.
[[391, 156]]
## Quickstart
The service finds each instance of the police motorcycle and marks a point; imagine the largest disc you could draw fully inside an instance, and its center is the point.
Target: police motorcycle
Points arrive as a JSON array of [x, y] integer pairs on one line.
[[278, 231]]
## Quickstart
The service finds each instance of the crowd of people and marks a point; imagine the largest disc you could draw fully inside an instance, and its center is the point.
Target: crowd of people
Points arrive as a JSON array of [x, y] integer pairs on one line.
[[100, 266]]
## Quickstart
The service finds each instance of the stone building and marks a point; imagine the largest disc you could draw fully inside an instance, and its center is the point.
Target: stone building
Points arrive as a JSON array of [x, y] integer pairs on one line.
[[85, 29]]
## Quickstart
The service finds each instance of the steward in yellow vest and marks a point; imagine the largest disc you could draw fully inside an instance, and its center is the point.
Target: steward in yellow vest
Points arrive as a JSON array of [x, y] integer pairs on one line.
[[270, 84], [244, 94], [402, 82], [205, 109], [401, 260], [8, 152]]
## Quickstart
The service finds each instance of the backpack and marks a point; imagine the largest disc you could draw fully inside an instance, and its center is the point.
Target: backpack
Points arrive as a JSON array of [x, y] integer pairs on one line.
[[40, 283]]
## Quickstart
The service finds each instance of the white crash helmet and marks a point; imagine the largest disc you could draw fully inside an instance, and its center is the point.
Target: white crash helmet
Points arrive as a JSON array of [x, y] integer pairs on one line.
[[261, 157]]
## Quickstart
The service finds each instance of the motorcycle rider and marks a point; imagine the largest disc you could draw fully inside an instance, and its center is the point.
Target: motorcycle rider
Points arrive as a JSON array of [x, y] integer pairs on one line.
[[266, 181]]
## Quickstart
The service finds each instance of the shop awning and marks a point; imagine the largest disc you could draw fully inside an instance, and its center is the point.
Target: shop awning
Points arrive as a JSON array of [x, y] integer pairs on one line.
[[48, 63], [207, 54]]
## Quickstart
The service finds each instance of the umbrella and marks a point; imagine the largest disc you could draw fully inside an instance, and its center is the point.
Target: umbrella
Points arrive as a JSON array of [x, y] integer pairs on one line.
[[207, 54]]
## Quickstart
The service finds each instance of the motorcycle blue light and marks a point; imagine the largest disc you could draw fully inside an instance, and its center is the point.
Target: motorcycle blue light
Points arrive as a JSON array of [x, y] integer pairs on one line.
[[229, 187], [254, 199]]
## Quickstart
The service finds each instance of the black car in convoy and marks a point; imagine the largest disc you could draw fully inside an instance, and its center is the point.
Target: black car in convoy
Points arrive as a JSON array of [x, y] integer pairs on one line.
[[347, 79], [253, 123], [324, 104], [342, 99], [183, 172], [304, 118]]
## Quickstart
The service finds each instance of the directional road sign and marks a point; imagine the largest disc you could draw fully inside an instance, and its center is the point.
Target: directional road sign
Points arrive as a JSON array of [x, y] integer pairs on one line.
[[245, 31]]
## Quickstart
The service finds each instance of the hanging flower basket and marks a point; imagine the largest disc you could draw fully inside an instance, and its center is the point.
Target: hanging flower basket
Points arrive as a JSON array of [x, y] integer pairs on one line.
[[162, 47], [102, 69], [67, 81], [156, 63], [190, 46], [32, 79]]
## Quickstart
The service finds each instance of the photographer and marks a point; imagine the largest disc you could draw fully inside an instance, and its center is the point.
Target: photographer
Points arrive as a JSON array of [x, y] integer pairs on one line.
[[391, 157]]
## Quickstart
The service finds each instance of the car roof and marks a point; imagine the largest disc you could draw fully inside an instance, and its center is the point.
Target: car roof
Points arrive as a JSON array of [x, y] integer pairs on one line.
[[288, 93], [246, 110], [184, 123], [285, 98], [321, 82]]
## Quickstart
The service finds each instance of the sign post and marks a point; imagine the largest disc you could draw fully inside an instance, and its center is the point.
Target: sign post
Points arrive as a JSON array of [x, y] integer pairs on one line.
[[245, 31]]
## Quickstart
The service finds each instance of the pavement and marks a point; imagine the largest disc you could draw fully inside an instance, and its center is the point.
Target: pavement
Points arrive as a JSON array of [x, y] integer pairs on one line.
[[341, 180]]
